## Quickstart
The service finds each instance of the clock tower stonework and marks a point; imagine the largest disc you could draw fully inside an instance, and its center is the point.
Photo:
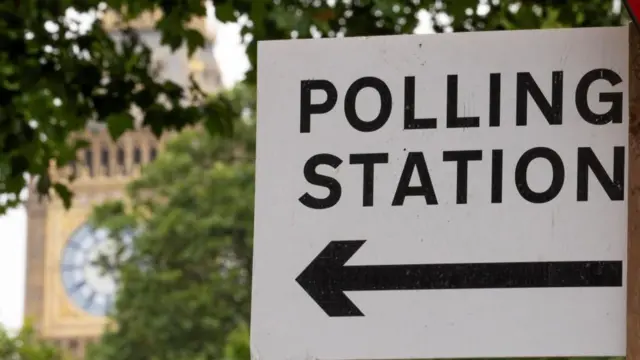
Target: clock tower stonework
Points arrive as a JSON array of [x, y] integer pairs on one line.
[[102, 171]]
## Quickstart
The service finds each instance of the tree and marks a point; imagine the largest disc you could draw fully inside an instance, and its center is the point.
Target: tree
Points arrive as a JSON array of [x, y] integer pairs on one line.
[[26, 346], [237, 344], [185, 286], [55, 77]]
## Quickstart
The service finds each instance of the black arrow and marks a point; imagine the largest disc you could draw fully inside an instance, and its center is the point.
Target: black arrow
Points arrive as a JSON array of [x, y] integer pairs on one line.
[[327, 278]]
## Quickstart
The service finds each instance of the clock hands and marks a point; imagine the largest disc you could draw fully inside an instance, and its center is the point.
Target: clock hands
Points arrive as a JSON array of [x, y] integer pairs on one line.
[[69, 267], [90, 298], [77, 286]]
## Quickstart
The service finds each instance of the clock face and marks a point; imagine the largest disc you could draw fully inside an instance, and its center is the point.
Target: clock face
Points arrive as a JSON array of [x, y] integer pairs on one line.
[[88, 284]]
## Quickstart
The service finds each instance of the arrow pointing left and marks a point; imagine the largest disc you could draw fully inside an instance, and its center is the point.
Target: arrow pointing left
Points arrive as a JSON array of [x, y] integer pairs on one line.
[[327, 278]]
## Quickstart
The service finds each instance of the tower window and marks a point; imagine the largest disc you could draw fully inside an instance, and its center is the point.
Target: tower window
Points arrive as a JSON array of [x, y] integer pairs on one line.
[[73, 346], [137, 155], [72, 168], [104, 160], [88, 161], [120, 160], [153, 153]]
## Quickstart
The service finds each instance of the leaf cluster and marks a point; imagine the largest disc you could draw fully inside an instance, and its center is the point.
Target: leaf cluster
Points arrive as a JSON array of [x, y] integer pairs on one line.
[[287, 19], [25, 345], [185, 284], [57, 77]]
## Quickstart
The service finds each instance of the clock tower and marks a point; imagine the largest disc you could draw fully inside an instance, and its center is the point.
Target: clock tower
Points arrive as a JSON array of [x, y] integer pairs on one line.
[[65, 297]]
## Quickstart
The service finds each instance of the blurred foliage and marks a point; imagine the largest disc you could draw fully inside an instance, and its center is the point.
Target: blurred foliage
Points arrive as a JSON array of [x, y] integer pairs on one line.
[[237, 344], [55, 77], [25, 345], [284, 19], [185, 287]]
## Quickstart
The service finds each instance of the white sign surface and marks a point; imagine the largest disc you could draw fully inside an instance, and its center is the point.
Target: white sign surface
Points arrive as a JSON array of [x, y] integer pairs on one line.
[[441, 196]]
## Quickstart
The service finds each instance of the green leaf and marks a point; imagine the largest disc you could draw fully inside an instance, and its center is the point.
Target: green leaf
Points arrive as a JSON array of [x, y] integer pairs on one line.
[[224, 10], [19, 165], [195, 40], [80, 144], [119, 123], [65, 194]]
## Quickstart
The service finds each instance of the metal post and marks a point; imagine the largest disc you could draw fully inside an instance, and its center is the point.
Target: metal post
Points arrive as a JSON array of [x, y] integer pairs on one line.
[[633, 242]]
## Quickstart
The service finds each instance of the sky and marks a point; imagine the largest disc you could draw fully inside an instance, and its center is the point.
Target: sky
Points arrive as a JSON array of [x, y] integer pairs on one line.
[[230, 55]]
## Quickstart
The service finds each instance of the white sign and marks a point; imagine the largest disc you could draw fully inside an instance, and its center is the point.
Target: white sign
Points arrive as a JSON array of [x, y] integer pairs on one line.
[[441, 196]]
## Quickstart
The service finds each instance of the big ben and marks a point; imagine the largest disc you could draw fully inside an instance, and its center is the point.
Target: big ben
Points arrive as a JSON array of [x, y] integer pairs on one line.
[[66, 295]]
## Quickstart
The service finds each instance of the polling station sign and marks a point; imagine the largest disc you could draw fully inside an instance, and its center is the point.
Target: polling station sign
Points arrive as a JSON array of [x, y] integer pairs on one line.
[[441, 196]]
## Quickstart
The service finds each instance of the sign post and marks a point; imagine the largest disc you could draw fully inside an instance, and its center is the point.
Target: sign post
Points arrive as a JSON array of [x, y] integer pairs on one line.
[[633, 251], [443, 196]]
